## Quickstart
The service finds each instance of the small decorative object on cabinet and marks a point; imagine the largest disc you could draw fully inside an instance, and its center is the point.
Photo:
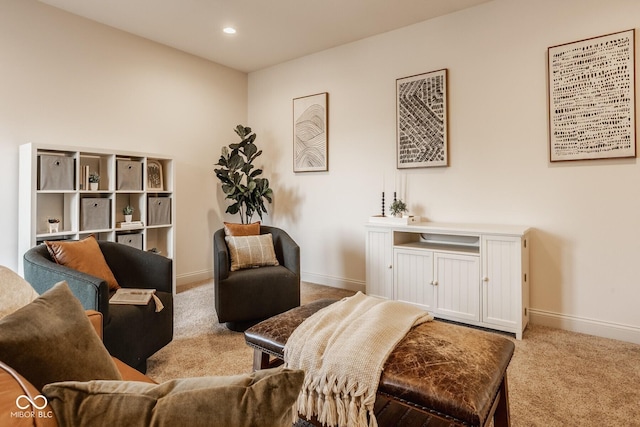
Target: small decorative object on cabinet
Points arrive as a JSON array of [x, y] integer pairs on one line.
[[54, 224], [473, 274], [127, 211], [80, 212], [94, 180], [398, 208]]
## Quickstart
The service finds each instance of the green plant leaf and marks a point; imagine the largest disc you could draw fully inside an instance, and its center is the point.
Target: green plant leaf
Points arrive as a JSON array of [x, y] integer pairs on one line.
[[240, 180]]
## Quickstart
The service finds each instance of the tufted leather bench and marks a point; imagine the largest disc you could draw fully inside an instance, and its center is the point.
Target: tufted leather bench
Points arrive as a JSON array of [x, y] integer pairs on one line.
[[440, 374]]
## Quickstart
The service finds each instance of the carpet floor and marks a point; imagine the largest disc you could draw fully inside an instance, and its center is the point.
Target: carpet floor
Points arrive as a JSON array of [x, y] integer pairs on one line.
[[556, 378]]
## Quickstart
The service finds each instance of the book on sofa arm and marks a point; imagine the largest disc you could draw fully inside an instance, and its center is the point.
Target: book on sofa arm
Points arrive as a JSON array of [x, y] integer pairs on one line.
[[132, 296]]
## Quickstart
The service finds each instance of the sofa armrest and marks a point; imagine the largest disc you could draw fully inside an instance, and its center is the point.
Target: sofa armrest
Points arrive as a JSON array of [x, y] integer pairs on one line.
[[96, 321], [134, 268], [220, 256], [287, 250], [13, 385], [42, 273]]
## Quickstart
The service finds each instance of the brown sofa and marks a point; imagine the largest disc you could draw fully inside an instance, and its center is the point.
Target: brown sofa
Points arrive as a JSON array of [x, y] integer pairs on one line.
[[56, 371], [12, 385]]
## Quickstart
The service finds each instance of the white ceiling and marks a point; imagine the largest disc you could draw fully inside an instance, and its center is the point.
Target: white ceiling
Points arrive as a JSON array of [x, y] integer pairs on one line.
[[269, 31]]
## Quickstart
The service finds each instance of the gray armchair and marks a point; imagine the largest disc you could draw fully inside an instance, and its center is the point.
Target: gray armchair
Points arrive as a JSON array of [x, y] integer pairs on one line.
[[131, 333], [245, 297]]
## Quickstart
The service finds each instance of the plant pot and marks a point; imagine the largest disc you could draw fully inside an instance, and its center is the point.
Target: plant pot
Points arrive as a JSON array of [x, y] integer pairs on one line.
[[53, 227], [93, 186], [128, 218]]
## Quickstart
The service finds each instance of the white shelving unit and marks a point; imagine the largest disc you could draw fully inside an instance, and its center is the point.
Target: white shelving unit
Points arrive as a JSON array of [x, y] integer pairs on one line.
[[148, 188], [474, 274]]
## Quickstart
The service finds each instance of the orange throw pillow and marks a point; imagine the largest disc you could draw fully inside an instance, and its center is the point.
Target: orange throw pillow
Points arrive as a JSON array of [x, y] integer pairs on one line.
[[83, 255], [231, 229]]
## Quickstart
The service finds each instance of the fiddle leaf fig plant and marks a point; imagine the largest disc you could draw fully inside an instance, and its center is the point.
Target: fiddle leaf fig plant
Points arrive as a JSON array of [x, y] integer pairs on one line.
[[241, 181]]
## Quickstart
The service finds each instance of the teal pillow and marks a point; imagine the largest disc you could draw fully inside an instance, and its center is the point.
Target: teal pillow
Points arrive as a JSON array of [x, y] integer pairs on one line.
[[51, 339], [264, 398]]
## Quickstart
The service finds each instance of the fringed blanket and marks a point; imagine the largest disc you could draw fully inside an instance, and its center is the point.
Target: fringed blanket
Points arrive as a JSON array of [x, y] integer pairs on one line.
[[342, 349]]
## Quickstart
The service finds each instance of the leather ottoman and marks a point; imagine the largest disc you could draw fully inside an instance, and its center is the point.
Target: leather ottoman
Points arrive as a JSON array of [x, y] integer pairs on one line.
[[440, 374]]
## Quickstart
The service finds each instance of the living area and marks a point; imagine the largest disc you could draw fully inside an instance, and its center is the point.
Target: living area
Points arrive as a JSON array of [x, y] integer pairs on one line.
[[69, 81]]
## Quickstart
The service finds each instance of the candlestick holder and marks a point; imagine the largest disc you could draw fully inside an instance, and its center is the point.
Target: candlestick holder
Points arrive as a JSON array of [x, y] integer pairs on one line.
[[383, 204]]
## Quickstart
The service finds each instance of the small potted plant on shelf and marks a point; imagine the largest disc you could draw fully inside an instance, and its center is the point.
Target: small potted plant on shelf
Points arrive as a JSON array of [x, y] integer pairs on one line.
[[398, 208], [128, 213], [54, 224], [94, 180]]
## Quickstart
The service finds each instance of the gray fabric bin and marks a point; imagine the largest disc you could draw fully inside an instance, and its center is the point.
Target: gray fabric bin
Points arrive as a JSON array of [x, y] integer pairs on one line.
[[129, 175], [133, 239], [95, 214], [57, 172], [159, 209]]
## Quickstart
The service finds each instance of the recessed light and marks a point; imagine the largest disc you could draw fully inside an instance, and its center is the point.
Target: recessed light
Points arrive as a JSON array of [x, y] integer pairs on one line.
[[229, 30]]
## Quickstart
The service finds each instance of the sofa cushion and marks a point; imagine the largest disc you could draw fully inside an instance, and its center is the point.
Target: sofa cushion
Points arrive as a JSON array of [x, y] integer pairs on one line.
[[46, 339], [15, 292], [251, 251], [20, 403], [263, 398], [83, 255], [232, 229]]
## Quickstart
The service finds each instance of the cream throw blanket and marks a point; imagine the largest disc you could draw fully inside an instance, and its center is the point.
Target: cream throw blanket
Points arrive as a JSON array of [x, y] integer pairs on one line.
[[342, 349]]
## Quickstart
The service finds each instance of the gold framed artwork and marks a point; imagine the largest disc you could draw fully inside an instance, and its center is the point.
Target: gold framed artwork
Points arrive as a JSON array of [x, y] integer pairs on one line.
[[591, 96], [311, 133]]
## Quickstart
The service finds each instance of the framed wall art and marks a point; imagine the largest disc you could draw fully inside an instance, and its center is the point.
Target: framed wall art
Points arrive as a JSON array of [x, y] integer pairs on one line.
[[421, 106], [154, 175], [311, 133], [592, 98]]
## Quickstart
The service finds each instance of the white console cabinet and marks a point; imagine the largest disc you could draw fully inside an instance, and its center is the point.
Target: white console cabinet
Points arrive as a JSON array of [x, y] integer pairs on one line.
[[473, 274]]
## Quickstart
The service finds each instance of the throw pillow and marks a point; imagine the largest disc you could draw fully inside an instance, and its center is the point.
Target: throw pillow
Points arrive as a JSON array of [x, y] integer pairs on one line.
[[251, 251], [263, 398], [51, 339], [83, 255], [231, 229], [15, 292]]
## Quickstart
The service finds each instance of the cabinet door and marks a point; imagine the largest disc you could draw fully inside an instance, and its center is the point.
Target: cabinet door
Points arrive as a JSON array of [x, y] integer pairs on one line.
[[502, 283], [457, 286], [413, 277], [379, 263]]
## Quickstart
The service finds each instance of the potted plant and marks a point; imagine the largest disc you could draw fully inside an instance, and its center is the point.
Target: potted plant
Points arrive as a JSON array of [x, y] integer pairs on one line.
[[94, 180], [54, 224], [398, 208], [127, 211], [240, 181]]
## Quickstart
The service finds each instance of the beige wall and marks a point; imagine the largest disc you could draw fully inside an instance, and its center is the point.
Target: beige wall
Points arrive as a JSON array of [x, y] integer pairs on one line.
[[67, 80], [586, 215]]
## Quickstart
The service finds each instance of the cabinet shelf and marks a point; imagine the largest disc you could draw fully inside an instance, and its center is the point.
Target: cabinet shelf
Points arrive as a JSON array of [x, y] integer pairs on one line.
[[442, 247], [54, 184]]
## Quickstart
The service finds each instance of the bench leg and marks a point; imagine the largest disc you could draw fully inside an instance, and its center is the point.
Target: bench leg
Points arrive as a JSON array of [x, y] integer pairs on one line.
[[262, 360], [501, 417]]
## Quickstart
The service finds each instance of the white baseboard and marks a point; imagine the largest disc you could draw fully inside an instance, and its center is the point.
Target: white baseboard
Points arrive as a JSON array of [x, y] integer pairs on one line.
[[584, 325], [335, 282], [198, 276]]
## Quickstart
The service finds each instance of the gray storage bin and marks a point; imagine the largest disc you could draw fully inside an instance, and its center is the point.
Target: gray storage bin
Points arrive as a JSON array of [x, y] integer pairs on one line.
[[159, 209], [133, 239], [57, 172], [129, 175], [95, 214]]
